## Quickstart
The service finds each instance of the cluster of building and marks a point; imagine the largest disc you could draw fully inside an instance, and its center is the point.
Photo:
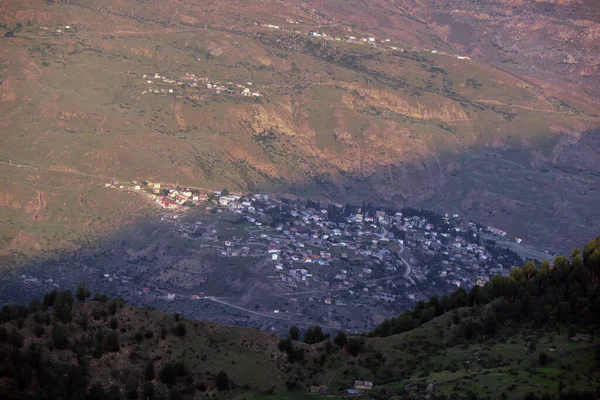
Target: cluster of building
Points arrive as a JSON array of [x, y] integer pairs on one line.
[[357, 388], [316, 247], [344, 253], [360, 40], [192, 81], [59, 30]]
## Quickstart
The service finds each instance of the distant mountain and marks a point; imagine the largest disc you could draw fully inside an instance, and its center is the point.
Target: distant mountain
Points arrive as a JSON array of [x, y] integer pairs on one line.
[[487, 108]]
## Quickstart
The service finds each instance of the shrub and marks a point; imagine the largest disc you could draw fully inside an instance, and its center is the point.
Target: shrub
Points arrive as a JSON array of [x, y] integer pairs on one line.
[[175, 394], [38, 330], [82, 293], [341, 339], [112, 307], [149, 371], [355, 346], [222, 381], [149, 391], [131, 388], [179, 329], [60, 339], [82, 321], [294, 333], [101, 297], [112, 342], [167, 375]]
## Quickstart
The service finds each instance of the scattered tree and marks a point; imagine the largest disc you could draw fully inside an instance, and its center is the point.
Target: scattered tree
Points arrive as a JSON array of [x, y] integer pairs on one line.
[[341, 339], [149, 371], [294, 333], [314, 334], [112, 342], [179, 329], [222, 381], [82, 293], [60, 340]]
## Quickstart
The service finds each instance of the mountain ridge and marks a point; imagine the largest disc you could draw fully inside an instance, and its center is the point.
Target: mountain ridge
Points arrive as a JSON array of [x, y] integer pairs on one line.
[[332, 115]]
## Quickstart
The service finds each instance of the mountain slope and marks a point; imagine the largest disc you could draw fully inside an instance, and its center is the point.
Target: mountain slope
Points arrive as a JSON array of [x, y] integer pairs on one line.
[[340, 120]]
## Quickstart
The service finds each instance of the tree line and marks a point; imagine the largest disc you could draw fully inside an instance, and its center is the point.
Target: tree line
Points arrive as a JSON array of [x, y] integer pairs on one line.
[[563, 292]]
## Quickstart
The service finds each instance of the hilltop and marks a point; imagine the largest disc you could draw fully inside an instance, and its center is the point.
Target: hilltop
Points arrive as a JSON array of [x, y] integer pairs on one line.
[[393, 108], [530, 334]]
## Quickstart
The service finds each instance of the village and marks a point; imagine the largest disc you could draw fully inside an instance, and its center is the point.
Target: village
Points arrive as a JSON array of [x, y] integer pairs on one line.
[[366, 40], [190, 85], [325, 263]]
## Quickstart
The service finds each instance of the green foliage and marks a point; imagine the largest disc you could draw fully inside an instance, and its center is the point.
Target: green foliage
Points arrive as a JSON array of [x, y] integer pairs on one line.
[[38, 330], [149, 391], [96, 392], [503, 317], [294, 353], [355, 346], [60, 339], [112, 342], [294, 333], [314, 334], [561, 294], [131, 388], [82, 321], [167, 375], [222, 381], [63, 306], [171, 371], [340, 339], [82, 293], [112, 307], [179, 329], [175, 394], [490, 323], [101, 297], [149, 371]]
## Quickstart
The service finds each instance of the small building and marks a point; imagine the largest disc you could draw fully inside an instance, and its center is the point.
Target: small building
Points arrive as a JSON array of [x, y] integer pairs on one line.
[[319, 389], [363, 385]]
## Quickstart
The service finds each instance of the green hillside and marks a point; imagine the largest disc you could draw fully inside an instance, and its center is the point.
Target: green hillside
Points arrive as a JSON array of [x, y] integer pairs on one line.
[[528, 335]]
